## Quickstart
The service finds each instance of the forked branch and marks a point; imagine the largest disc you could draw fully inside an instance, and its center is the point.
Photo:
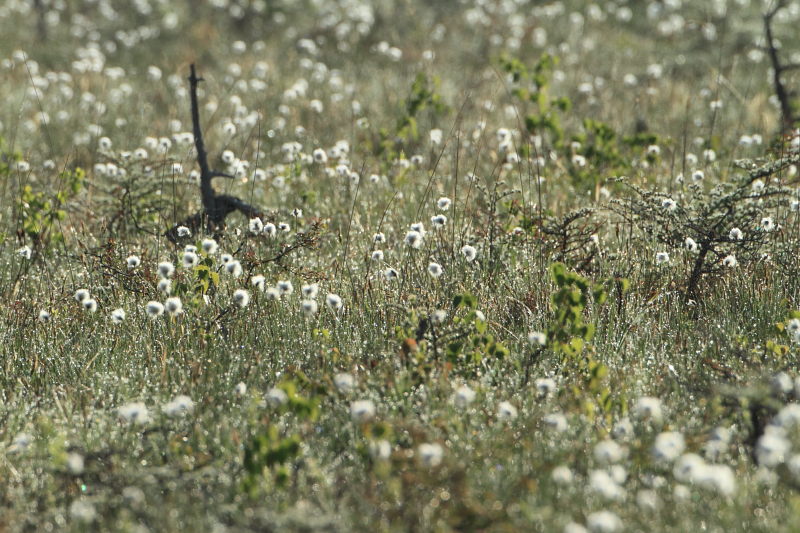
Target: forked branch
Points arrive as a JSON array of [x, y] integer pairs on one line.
[[216, 207]]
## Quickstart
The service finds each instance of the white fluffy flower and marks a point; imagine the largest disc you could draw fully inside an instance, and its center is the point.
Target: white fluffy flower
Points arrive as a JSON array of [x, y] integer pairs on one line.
[[334, 302], [430, 454], [154, 309], [601, 482], [506, 411], [173, 306], [134, 413], [649, 409], [344, 382], [469, 252], [463, 396], [537, 338], [179, 406], [668, 446], [556, 421], [603, 522], [362, 410], [241, 297], [165, 269], [209, 246], [608, 451], [276, 397]]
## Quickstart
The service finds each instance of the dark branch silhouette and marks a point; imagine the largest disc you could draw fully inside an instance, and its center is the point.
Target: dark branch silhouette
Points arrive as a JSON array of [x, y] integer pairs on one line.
[[788, 120], [216, 207]]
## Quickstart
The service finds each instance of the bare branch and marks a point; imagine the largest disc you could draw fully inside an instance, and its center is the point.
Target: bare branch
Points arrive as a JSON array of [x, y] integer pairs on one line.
[[787, 118], [215, 207]]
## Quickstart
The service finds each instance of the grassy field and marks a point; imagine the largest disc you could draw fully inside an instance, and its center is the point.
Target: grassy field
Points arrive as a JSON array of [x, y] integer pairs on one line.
[[519, 266]]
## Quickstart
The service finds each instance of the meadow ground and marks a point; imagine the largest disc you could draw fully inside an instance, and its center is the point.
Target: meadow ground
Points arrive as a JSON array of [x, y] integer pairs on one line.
[[517, 266]]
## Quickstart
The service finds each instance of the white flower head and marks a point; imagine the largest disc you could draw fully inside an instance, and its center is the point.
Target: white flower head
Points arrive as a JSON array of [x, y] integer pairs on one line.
[[430, 454], [545, 387], [469, 252], [380, 449], [272, 294], [209, 246], [90, 305], [309, 307], [75, 463], [241, 297], [603, 483], [463, 396], [189, 259], [44, 316], [173, 306], [334, 302], [537, 338], [81, 295], [118, 316], [164, 285], [435, 270], [772, 449], [562, 475], [133, 261], [179, 406], [662, 258], [438, 221], [506, 411], [82, 511], [285, 287], [443, 203], [648, 408], [362, 410], [608, 452], [691, 244], [623, 429], [730, 261], [604, 522], [276, 397], [154, 309], [344, 382], [165, 269], [234, 268], [134, 413], [240, 389], [668, 446], [735, 234], [310, 291], [414, 239], [556, 422], [183, 231], [259, 282], [255, 226]]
